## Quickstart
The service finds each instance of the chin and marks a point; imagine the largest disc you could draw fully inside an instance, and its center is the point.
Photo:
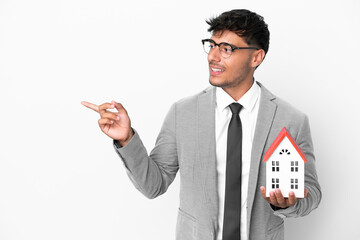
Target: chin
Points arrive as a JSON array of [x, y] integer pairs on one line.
[[217, 83]]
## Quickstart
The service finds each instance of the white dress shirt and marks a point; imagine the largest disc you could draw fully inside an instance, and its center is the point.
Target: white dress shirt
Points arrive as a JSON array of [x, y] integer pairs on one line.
[[248, 115]]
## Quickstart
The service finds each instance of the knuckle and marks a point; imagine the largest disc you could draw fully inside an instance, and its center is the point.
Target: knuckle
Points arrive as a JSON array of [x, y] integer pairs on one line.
[[106, 115]]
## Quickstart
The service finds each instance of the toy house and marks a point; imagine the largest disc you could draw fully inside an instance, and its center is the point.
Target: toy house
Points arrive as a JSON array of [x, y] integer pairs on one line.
[[285, 166]]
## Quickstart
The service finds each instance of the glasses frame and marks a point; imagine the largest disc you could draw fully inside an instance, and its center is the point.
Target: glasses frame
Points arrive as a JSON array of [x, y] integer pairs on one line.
[[233, 48]]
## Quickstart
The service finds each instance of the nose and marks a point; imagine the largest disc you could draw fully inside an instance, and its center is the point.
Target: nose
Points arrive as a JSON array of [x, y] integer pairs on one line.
[[214, 55]]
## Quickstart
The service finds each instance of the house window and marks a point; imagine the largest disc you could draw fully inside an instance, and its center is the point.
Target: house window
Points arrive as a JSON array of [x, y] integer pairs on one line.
[[275, 166], [294, 183], [284, 151], [275, 183], [294, 166]]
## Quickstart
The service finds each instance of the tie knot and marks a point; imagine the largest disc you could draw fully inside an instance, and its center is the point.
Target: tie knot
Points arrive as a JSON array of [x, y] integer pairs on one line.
[[235, 108]]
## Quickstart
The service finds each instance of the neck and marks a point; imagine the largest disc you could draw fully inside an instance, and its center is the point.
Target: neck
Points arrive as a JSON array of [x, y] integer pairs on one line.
[[236, 92]]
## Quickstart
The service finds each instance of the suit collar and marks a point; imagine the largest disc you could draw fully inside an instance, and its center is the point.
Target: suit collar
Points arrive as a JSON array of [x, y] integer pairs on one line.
[[248, 100]]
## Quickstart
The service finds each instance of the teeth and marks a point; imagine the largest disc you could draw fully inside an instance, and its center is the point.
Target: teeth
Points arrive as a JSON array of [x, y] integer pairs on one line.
[[217, 70]]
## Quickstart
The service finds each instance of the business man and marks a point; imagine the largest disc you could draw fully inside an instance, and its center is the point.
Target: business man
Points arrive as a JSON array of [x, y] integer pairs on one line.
[[217, 140]]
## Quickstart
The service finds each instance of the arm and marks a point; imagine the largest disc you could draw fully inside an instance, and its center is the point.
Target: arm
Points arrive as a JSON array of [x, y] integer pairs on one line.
[[152, 174], [293, 207]]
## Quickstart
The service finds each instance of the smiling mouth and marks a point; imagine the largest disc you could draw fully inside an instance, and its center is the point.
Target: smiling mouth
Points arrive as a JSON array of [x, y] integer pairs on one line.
[[216, 71]]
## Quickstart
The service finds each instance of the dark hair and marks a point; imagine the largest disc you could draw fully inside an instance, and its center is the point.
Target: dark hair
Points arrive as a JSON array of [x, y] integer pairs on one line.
[[246, 24]]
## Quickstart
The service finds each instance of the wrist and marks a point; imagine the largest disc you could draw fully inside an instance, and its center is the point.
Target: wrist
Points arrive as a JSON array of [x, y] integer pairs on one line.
[[124, 142]]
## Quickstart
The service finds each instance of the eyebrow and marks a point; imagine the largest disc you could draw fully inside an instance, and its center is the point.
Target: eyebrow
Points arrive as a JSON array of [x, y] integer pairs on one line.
[[225, 43]]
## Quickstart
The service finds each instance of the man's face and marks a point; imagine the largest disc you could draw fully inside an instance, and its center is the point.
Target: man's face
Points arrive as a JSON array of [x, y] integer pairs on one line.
[[231, 72]]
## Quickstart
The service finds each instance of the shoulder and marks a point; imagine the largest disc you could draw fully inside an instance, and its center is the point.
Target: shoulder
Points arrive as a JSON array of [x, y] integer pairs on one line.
[[283, 107], [193, 101], [283, 115], [288, 109], [187, 111]]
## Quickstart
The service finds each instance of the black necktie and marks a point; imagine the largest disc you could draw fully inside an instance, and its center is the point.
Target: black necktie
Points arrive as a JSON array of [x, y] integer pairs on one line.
[[232, 209]]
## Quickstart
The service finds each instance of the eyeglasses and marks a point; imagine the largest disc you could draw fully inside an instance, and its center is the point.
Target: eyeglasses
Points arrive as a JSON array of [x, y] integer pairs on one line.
[[225, 49]]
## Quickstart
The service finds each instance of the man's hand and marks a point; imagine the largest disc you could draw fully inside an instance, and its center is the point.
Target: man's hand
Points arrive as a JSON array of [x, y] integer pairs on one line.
[[277, 199], [116, 125]]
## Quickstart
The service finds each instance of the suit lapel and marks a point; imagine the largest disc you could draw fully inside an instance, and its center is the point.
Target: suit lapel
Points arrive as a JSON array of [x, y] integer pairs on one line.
[[207, 149], [267, 109]]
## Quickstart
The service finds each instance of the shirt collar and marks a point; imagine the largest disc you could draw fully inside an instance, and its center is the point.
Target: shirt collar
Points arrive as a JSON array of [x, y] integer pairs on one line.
[[248, 100]]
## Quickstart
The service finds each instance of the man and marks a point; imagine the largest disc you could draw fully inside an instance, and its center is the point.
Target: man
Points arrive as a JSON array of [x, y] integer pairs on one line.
[[217, 140]]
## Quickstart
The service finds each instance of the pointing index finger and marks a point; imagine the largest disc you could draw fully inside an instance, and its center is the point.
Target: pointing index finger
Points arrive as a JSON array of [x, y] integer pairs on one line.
[[91, 106]]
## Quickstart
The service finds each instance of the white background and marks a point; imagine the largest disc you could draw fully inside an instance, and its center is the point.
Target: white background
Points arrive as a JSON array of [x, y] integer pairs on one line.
[[59, 175]]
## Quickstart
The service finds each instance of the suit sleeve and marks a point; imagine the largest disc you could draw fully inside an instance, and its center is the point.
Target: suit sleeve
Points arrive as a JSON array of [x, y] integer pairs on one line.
[[152, 174], [306, 205]]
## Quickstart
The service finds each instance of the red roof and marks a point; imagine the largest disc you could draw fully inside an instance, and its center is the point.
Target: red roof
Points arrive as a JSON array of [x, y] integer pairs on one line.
[[284, 132]]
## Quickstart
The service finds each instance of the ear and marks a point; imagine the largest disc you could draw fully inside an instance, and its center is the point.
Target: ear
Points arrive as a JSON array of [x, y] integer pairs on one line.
[[258, 57]]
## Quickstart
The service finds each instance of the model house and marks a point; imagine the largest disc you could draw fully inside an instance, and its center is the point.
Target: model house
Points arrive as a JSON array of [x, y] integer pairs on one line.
[[285, 163]]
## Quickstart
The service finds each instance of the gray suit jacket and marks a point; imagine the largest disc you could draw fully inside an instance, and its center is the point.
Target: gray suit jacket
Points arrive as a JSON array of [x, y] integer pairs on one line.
[[186, 142]]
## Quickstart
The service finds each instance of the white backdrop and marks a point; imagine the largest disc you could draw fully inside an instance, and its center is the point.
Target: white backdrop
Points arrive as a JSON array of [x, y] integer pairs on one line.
[[59, 175]]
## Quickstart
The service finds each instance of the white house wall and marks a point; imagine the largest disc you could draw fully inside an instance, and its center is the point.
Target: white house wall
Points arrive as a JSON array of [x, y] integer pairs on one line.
[[285, 175]]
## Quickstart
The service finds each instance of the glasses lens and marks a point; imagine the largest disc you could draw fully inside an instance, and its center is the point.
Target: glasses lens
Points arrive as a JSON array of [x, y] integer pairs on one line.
[[208, 46], [225, 50]]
